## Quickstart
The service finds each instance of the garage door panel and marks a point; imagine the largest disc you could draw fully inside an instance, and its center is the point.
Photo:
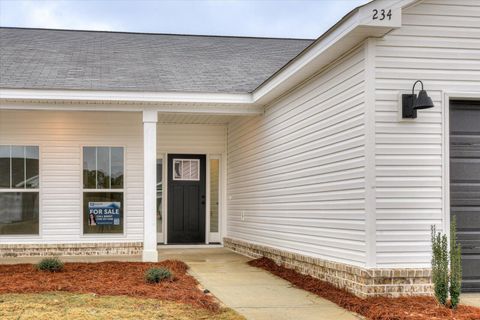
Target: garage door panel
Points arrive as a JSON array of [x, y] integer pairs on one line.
[[465, 186], [463, 152], [465, 118], [465, 170], [465, 198], [468, 219], [465, 191], [469, 246], [470, 266], [464, 146]]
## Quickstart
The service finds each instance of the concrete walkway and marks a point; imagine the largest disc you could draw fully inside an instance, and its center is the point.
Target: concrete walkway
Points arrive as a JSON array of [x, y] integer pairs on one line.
[[253, 292], [470, 299]]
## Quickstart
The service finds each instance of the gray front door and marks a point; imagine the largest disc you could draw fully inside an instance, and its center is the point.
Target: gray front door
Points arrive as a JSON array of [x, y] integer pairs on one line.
[[465, 186]]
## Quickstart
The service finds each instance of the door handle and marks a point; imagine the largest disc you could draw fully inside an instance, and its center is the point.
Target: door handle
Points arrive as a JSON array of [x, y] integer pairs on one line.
[[203, 202]]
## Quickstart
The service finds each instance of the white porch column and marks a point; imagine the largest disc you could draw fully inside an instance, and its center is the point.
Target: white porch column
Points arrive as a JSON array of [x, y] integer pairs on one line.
[[150, 253]]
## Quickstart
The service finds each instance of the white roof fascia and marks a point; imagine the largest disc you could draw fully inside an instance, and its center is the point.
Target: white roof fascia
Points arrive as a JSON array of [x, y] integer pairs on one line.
[[125, 96], [174, 107], [344, 35]]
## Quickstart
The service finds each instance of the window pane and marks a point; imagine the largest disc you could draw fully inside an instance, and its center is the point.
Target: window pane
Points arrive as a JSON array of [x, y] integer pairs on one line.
[[31, 165], [214, 190], [159, 194], [103, 168], [18, 167], [117, 168], [195, 170], [103, 212], [177, 169], [89, 168], [4, 166], [18, 213]]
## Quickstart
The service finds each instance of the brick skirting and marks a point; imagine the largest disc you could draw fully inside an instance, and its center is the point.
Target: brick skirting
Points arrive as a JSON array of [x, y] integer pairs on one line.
[[70, 249], [360, 281]]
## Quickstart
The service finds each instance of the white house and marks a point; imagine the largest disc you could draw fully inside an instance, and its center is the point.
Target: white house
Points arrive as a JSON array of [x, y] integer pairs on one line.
[[299, 150]]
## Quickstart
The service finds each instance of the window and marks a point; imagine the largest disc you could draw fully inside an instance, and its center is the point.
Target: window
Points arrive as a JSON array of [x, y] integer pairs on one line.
[[19, 190], [159, 194], [214, 193], [186, 169], [103, 190]]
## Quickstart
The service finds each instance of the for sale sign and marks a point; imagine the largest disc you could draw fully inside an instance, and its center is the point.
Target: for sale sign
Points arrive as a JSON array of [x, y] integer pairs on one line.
[[104, 213]]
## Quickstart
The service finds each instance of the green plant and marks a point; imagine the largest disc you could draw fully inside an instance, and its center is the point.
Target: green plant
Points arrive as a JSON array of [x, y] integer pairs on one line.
[[155, 275], [445, 281], [50, 264], [455, 265], [440, 266]]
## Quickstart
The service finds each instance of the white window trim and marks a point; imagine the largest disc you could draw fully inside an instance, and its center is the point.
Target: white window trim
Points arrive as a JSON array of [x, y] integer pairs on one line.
[[222, 226], [164, 228], [197, 178], [160, 235], [447, 96], [214, 236], [40, 183], [119, 235]]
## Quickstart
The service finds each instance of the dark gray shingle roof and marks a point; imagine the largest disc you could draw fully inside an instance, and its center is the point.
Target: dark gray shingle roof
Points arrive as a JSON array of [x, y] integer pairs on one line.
[[62, 59]]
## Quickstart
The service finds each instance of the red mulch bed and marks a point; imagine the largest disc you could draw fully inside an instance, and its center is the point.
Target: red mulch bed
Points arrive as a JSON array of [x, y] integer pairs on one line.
[[108, 278], [405, 308]]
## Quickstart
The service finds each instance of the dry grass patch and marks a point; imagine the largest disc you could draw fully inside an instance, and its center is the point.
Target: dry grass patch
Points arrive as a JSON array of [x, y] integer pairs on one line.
[[59, 306]]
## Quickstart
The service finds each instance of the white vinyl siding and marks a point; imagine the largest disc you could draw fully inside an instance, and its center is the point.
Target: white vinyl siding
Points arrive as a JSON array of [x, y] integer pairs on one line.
[[439, 43], [191, 138], [297, 174], [60, 137]]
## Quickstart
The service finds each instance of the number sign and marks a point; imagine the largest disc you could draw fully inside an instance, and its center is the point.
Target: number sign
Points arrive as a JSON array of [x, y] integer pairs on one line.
[[382, 14]]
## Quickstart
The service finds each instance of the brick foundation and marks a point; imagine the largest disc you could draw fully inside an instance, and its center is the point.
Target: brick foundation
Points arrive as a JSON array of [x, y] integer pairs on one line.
[[359, 281], [70, 249]]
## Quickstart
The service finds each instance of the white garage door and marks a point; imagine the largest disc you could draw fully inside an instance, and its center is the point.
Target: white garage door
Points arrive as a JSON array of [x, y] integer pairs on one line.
[[465, 186]]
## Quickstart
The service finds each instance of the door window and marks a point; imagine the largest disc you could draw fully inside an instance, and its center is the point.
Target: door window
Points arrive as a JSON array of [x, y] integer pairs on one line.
[[186, 169]]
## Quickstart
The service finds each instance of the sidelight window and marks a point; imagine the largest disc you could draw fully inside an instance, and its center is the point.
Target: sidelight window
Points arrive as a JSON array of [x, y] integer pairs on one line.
[[214, 193]]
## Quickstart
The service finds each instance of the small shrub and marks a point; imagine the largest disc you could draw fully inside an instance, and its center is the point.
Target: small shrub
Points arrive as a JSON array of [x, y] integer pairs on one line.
[[155, 275], [445, 282], [455, 266], [440, 266], [50, 264]]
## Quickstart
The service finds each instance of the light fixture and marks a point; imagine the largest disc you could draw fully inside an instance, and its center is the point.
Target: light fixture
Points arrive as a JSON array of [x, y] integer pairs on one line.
[[411, 103]]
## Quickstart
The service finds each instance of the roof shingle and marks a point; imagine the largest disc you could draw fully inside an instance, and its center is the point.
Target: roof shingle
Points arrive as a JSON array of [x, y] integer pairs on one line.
[[86, 60]]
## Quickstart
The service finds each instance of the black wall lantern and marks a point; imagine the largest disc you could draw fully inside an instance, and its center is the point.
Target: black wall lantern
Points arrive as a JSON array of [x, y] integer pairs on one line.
[[411, 103]]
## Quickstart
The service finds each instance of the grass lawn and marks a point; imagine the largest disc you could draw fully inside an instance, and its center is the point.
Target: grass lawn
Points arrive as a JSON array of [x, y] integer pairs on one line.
[[63, 305]]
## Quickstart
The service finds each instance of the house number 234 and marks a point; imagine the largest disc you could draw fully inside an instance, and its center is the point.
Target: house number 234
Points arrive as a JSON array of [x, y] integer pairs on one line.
[[381, 14]]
